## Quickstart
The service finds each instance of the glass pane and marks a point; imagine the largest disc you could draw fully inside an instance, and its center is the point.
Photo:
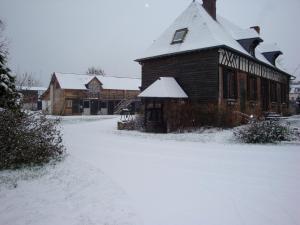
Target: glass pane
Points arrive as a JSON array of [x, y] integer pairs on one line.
[[179, 35]]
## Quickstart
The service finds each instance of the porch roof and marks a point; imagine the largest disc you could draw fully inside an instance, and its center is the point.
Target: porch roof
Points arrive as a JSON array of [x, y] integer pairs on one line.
[[164, 87]]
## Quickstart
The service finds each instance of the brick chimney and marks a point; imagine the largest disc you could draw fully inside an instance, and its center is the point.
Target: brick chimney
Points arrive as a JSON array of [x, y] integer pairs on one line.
[[256, 28], [210, 7]]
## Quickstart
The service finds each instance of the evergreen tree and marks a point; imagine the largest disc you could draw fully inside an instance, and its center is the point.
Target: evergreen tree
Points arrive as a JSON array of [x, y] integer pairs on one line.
[[8, 93], [26, 138]]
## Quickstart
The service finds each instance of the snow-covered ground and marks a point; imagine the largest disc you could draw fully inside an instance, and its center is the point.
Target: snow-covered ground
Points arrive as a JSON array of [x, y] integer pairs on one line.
[[118, 177]]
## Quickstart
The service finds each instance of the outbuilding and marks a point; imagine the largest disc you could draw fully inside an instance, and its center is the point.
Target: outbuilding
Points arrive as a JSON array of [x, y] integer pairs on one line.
[[74, 94]]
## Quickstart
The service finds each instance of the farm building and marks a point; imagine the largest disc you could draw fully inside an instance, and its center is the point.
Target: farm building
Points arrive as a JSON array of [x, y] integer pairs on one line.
[[31, 97], [294, 92], [204, 65], [73, 94], [295, 98]]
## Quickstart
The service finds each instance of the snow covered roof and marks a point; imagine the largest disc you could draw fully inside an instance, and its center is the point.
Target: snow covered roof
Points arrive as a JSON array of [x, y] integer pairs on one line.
[[78, 82], [120, 83], [164, 87], [27, 88], [269, 48], [235, 31], [203, 32]]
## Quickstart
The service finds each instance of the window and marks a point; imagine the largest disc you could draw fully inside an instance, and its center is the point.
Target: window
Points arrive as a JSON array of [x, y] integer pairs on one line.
[[229, 84], [103, 105], [69, 103], [252, 51], [154, 115], [252, 88], [273, 90], [154, 111], [86, 104], [179, 36]]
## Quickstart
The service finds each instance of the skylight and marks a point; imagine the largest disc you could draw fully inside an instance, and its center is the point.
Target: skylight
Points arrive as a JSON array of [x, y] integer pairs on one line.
[[179, 36]]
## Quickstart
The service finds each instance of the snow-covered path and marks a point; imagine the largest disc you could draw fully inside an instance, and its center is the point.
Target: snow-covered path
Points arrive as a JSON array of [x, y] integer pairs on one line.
[[129, 178], [171, 182]]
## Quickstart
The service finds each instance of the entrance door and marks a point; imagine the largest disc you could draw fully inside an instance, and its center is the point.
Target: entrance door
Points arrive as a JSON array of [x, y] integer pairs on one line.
[[265, 90], [86, 107], [111, 106], [94, 107], [242, 95]]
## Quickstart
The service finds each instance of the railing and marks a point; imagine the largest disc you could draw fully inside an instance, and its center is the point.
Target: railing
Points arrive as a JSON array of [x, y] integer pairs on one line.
[[122, 105]]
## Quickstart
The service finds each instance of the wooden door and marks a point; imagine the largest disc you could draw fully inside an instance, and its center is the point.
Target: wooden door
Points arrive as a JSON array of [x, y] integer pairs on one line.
[[94, 107]]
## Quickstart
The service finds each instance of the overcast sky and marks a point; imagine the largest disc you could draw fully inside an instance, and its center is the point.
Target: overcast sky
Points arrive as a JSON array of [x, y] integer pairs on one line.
[[71, 35]]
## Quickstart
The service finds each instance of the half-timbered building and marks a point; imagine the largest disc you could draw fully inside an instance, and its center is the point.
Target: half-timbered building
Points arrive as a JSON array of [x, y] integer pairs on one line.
[[73, 94], [216, 64]]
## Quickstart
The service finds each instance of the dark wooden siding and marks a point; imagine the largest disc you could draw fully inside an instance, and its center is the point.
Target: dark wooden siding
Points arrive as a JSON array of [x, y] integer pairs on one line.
[[196, 73]]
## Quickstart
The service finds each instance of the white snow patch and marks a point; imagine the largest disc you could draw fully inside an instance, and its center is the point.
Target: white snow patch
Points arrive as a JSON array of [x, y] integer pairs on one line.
[[164, 87], [70, 193], [79, 82], [117, 177]]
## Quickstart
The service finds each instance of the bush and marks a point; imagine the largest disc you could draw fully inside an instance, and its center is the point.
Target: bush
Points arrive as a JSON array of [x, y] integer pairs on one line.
[[28, 139], [264, 132]]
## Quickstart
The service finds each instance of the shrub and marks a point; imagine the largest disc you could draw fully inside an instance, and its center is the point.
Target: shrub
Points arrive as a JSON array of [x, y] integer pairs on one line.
[[28, 139], [264, 132]]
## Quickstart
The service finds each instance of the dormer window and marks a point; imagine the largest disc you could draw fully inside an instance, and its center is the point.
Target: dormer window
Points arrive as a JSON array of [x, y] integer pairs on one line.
[[179, 36], [250, 44]]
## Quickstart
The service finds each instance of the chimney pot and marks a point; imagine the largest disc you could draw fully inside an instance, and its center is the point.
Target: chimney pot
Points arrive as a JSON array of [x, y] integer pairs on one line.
[[211, 8], [256, 28]]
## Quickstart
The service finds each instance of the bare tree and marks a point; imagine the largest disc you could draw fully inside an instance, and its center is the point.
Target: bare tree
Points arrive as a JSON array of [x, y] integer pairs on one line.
[[27, 80], [95, 71]]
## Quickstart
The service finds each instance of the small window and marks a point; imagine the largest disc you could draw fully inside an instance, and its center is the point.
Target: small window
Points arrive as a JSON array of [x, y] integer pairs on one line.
[[229, 84], [69, 103], [252, 51], [179, 36], [86, 104], [103, 105]]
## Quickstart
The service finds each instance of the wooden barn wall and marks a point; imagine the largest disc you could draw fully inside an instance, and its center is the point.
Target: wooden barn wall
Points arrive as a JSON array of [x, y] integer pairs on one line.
[[61, 96], [251, 106], [107, 94], [196, 73], [58, 99]]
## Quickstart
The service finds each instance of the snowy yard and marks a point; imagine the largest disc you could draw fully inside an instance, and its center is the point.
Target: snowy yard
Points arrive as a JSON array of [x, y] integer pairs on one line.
[[115, 177]]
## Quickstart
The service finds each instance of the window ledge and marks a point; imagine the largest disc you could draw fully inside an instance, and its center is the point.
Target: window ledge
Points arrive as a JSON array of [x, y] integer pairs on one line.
[[231, 101], [253, 103]]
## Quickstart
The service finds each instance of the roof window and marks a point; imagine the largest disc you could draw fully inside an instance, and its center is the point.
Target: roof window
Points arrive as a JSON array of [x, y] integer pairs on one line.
[[179, 36]]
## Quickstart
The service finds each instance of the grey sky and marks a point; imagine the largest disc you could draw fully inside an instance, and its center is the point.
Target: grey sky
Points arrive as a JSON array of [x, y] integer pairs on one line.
[[71, 35]]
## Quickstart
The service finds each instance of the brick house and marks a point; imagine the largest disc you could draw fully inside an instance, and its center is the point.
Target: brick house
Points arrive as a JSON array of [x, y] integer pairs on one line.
[[214, 63]]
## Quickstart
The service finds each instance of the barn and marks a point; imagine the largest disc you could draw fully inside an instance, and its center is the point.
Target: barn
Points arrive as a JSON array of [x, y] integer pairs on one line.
[[31, 97], [204, 64], [74, 94]]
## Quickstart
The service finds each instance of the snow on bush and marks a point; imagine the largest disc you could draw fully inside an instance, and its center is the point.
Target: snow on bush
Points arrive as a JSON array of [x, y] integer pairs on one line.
[[264, 132], [28, 139]]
